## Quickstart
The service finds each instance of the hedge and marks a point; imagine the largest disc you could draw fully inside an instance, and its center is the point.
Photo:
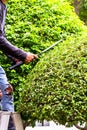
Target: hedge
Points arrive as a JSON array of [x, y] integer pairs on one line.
[[33, 26]]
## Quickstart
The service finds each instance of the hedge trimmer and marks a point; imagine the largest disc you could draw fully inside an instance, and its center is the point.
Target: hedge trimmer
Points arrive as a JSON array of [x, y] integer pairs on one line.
[[21, 62]]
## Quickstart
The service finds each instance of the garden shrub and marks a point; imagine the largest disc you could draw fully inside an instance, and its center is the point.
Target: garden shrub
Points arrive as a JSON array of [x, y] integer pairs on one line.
[[56, 89], [33, 26]]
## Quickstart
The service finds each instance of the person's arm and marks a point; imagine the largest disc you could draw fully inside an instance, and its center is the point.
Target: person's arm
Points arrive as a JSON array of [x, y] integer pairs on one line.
[[15, 52], [9, 49], [6, 46]]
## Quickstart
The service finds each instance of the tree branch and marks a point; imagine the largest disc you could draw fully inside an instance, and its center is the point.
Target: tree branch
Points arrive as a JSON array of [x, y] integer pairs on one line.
[[78, 127]]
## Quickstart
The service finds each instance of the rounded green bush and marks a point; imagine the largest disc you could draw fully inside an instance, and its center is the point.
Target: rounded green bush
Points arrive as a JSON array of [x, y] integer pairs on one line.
[[56, 89]]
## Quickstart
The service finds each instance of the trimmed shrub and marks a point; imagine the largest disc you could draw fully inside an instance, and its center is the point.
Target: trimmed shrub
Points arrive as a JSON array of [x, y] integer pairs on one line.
[[56, 89], [34, 25]]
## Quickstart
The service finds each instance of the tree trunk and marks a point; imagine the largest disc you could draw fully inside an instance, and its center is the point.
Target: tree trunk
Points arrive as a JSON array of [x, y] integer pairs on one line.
[[80, 127], [76, 4]]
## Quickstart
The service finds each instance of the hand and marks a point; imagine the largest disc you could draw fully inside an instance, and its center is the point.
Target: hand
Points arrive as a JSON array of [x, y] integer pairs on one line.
[[30, 57], [0, 93]]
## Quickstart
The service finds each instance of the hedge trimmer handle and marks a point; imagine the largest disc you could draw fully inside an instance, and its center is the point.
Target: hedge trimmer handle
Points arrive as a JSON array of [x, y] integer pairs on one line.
[[16, 65]]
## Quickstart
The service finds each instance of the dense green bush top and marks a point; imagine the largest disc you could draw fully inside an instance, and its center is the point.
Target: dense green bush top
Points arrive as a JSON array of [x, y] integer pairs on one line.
[[56, 89], [37, 23]]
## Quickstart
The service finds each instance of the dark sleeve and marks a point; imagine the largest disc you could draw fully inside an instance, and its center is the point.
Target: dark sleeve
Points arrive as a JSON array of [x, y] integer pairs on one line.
[[9, 49], [0, 18]]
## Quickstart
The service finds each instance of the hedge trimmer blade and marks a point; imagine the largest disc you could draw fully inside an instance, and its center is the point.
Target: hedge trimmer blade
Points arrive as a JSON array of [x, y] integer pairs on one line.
[[47, 49]]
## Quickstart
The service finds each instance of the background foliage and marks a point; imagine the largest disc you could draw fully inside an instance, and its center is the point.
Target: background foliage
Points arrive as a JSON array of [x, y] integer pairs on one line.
[[80, 8], [33, 26], [83, 10]]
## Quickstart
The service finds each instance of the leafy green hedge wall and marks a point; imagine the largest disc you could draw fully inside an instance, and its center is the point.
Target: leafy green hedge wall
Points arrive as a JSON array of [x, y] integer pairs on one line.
[[56, 89], [33, 26]]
